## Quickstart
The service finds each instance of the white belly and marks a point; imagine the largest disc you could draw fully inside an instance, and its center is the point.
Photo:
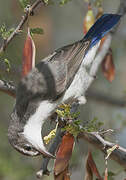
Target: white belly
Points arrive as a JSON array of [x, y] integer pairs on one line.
[[82, 79], [76, 88]]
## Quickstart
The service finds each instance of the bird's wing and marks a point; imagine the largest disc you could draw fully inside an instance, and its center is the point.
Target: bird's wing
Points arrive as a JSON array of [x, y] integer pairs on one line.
[[52, 76], [66, 63]]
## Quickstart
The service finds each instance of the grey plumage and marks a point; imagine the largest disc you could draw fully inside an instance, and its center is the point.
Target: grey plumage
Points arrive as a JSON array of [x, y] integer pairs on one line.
[[47, 81]]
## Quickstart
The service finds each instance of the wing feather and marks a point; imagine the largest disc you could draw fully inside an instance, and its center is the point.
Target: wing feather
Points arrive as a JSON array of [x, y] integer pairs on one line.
[[52, 76]]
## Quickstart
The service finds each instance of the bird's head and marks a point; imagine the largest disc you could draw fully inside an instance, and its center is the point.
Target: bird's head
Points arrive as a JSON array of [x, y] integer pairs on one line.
[[25, 147], [24, 142], [21, 144]]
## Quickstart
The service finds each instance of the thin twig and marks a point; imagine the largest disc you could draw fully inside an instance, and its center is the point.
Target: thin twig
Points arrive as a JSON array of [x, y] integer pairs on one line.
[[23, 20], [95, 95], [119, 155], [8, 88]]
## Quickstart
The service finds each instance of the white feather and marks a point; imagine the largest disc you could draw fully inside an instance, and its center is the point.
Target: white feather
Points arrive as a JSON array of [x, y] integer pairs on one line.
[[78, 86], [32, 130]]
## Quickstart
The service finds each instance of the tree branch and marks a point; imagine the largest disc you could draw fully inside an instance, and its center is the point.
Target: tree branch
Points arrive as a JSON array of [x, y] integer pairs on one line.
[[8, 88], [122, 8], [94, 138], [28, 11], [44, 170], [104, 98]]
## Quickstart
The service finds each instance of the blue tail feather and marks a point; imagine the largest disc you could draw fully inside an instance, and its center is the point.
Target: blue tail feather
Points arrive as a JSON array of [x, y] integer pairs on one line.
[[103, 25]]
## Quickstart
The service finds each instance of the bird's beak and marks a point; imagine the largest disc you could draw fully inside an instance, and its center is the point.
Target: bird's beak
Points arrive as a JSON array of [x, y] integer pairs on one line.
[[45, 153]]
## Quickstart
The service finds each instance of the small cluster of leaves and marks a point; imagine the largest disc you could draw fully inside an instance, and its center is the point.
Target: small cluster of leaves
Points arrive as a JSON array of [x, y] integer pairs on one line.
[[4, 33], [24, 3], [111, 175], [50, 136], [73, 125], [7, 64], [37, 30], [74, 128], [93, 125], [64, 111], [110, 150], [62, 2], [46, 1]]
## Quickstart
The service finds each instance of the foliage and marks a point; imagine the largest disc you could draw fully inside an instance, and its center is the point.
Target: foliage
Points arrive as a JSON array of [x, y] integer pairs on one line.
[[24, 3], [4, 33], [7, 62], [37, 30], [62, 2], [73, 124], [111, 175], [51, 135]]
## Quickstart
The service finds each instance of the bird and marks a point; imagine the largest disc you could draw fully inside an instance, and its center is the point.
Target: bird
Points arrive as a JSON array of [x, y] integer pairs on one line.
[[56, 79]]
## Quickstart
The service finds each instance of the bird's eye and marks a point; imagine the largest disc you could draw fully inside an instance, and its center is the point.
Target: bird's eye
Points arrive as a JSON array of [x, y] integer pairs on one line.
[[27, 148]]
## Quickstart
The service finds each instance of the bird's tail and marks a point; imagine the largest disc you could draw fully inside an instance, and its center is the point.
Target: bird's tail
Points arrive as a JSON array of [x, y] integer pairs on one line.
[[103, 25]]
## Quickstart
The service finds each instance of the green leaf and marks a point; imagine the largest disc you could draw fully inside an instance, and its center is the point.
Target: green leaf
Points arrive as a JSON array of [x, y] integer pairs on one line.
[[111, 175], [7, 62], [4, 33], [36, 31], [24, 3], [46, 1], [93, 125], [62, 2]]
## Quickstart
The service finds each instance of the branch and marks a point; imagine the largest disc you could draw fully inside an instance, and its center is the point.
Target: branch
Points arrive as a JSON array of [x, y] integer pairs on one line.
[[28, 11], [122, 8], [8, 88], [52, 150], [104, 98], [94, 138]]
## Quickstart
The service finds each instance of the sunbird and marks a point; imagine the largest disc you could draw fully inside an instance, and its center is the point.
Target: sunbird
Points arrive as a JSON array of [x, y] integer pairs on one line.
[[56, 79]]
